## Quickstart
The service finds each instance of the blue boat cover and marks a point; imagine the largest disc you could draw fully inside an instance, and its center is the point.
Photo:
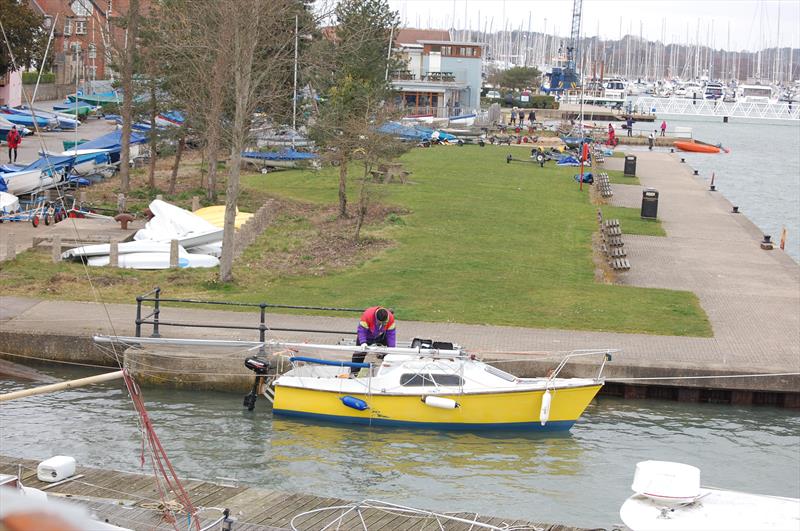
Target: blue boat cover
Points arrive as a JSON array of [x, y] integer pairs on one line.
[[568, 160], [3, 185], [51, 161], [286, 154], [405, 132], [587, 178], [112, 141]]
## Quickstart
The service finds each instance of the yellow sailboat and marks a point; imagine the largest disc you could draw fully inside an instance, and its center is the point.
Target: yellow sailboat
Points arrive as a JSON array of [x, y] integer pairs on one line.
[[430, 388]]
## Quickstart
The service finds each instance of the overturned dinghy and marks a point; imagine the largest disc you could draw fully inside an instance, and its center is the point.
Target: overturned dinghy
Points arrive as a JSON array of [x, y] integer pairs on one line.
[[139, 255]]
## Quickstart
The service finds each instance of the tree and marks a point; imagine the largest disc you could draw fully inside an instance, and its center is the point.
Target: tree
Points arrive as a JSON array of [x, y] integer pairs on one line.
[[357, 87], [519, 77], [25, 33], [128, 58]]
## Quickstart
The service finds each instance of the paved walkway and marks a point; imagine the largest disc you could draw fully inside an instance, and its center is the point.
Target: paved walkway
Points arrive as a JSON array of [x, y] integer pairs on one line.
[[752, 296]]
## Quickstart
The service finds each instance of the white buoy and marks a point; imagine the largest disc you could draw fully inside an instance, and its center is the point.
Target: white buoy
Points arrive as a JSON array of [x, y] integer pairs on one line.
[[440, 402], [56, 468], [544, 413]]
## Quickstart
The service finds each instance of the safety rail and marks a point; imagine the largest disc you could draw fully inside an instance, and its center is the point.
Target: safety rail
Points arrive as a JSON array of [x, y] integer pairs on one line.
[[154, 317], [582, 353], [735, 109]]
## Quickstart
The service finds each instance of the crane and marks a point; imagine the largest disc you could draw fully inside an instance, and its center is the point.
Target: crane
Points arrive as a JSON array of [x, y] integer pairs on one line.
[[567, 77]]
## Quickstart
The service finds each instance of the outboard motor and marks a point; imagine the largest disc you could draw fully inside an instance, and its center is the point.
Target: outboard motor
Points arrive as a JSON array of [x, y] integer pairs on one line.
[[260, 366]]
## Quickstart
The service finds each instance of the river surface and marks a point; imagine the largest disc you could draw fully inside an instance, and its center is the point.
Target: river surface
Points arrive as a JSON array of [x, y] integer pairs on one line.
[[580, 478], [761, 174]]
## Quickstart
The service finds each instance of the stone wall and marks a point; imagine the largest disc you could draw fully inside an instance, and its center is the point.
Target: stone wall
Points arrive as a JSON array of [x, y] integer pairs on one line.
[[49, 91], [248, 232]]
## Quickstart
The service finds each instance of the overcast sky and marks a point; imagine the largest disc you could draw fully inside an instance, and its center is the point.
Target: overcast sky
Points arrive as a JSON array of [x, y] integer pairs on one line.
[[753, 23]]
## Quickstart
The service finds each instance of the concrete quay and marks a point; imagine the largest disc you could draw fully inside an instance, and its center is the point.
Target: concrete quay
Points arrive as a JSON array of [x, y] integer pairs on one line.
[[752, 298]]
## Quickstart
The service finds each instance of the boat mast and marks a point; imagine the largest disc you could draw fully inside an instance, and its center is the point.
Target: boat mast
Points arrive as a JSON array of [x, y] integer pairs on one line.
[[294, 93]]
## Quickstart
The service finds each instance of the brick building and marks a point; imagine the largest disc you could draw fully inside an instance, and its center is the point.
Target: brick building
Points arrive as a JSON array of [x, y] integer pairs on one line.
[[83, 36]]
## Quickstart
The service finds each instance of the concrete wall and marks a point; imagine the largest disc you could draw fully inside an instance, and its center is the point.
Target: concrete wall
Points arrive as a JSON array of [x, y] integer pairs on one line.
[[49, 91]]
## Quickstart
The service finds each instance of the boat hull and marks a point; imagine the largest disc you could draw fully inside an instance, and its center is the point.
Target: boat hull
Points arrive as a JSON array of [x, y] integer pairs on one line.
[[475, 411], [695, 147]]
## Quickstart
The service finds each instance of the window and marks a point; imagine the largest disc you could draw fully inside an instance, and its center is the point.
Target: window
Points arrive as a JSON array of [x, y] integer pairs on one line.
[[80, 27], [430, 380], [75, 48], [92, 51], [92, 72], [67, 26]]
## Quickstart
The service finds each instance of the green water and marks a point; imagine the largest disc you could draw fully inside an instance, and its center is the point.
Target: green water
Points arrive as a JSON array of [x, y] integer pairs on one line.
[[580, 478]]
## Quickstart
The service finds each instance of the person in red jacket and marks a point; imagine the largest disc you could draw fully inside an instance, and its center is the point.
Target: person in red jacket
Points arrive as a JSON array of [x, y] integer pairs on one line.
[[14, 139], [376, 327]]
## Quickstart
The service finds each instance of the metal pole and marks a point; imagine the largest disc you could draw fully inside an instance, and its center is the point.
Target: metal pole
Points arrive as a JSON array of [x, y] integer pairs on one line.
[[138, 316], [156, 313], [294, 93], [389, 54]]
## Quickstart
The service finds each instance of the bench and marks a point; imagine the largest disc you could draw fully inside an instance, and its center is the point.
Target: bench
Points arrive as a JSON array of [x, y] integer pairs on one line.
[[386, 173], [613, 246], [619, 264]]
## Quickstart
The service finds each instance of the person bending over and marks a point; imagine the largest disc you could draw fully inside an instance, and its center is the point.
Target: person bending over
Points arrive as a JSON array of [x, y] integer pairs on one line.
[[376, 327]]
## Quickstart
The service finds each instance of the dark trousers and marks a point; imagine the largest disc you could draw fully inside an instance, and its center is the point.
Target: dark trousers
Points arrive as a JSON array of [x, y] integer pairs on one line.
[[9, 154], [630, 131], [359, 357]]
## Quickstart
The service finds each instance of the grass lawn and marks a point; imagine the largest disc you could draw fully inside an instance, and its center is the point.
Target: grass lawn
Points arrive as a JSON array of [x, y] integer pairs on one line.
[[618, 177], [482, 242]]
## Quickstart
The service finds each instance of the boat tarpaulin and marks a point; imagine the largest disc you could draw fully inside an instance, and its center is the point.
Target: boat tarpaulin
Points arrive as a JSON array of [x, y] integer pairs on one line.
[[50, 161], [112, 141], [286, 154], [404, 132]]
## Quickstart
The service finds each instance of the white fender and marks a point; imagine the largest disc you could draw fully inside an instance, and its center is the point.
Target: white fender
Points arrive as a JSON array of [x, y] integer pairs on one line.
[[544, 413], [440, 402]]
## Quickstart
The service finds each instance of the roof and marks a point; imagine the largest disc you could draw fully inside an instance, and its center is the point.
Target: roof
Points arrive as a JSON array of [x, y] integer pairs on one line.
[[454, 43], [412, 35]]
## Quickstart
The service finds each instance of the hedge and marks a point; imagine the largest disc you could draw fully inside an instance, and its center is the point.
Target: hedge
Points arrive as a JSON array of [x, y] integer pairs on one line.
[[29, 78]]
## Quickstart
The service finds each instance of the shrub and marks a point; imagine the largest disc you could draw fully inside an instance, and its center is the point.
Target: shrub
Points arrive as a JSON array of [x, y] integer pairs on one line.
[[29, 78]]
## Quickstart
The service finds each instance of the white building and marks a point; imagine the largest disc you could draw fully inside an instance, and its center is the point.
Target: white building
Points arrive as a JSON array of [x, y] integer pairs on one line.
[[442, 77]]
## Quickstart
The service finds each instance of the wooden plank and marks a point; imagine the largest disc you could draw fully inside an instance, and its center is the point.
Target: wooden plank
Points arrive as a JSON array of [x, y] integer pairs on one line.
[[290, 510], [317, 520], [220, 499], [268, 507]]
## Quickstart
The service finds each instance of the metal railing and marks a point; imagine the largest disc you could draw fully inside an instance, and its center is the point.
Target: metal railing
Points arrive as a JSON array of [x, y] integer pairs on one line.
[[735, 109], [154, 317]]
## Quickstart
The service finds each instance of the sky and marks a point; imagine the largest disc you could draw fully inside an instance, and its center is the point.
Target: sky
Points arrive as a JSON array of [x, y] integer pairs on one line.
[[753, 24]]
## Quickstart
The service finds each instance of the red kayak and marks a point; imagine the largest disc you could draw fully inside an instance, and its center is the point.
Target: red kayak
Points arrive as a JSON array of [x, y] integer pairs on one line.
[[695, 147]]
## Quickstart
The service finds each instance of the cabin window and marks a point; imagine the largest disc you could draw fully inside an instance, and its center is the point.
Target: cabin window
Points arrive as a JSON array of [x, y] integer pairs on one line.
[[500, 373], [430, 380]]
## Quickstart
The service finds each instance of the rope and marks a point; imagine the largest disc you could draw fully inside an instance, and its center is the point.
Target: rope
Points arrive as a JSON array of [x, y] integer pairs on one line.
[[710, 376]]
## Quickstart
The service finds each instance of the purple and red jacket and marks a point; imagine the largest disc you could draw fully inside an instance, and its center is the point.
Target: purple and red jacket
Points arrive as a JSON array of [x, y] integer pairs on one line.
[[372, 331]]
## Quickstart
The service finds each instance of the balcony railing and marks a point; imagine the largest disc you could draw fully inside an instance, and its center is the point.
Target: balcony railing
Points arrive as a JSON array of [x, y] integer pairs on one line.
[[435, 77]]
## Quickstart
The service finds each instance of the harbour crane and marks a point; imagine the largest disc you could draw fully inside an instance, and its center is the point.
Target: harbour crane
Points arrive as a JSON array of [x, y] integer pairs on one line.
[[567, 77]]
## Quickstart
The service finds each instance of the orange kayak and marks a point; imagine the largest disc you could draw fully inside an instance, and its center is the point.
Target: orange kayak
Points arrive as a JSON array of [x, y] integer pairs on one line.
[[694, 146]]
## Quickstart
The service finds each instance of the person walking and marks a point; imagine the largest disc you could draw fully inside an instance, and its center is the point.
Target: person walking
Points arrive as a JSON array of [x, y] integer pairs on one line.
[[663, 128], [531, 117], [651, 140], [14, 139], [513, 116], [612, 136], [629, 124], [522, 118], [376, 327]]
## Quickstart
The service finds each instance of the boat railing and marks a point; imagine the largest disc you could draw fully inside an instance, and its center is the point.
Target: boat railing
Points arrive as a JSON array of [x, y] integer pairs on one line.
[[605, 353], [155, 319]]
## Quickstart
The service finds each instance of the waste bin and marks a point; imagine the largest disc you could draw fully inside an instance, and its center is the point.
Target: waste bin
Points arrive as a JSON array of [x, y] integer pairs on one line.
[[630, 165], [650, 203]]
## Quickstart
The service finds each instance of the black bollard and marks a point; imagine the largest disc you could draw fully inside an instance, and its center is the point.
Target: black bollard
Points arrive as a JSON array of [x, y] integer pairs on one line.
[[735, 210], [695, 172], [683, 161], [766, 243], [712, 188]]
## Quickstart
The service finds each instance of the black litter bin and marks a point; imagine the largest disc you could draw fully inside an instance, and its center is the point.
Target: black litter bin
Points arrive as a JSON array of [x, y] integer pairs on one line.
[[630, 165], [650, 203]]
